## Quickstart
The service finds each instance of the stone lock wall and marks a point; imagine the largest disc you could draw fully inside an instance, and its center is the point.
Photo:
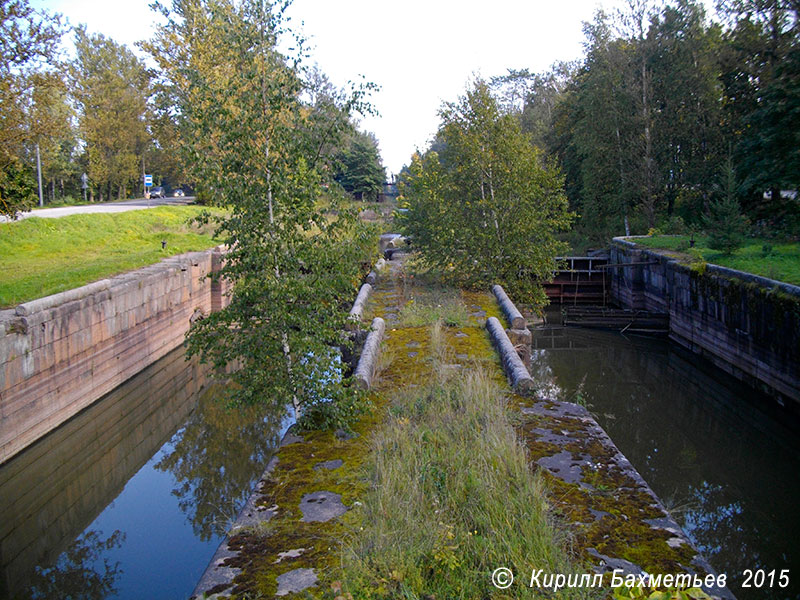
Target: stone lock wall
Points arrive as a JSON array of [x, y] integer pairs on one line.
[[61, 353], [745, 324]]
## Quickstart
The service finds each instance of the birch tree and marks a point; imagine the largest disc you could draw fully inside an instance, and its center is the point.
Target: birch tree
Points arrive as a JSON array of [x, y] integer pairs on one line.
[[487, 209], [250, 146]]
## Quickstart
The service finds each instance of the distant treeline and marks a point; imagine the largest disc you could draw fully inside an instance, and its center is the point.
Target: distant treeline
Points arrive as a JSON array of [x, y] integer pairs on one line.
[[105, 113], [666, 102]]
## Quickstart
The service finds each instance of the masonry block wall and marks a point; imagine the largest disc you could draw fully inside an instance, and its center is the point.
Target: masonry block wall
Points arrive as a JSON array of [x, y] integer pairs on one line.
[[745, 324], [59, 354], [55, 489]]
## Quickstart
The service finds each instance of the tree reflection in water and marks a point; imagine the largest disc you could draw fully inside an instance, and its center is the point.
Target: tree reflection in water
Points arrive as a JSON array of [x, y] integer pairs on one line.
[[81, 571], [217, 456], [715, 522]]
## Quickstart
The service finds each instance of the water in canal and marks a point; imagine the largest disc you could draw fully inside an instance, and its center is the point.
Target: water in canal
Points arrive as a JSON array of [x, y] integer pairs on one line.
[[131, 498], [727, 469]]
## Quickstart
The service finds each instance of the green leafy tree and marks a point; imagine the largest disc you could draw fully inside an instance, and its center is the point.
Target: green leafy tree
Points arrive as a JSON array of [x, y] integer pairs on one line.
[[110, 87], [487, 209], [52, 129], [28, 47], [688, 138], [769, 151], [595, 133], [360, 171], [251, 146], [17, 187], [759, 76], [534, 97]]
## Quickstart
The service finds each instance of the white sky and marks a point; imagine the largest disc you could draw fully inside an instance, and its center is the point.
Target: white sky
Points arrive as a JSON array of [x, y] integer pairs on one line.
[[421, 52]]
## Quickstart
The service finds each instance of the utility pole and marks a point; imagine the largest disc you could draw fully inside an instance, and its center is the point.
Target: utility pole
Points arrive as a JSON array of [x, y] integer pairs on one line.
[[39, 173]]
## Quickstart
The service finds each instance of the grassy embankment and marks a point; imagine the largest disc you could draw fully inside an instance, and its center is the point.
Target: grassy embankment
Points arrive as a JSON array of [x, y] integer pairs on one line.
[[39, 257], [780, 261]]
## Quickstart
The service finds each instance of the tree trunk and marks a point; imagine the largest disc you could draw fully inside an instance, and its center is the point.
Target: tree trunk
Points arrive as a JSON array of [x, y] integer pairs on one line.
[[268, 175], [622, 184], [649, 200]]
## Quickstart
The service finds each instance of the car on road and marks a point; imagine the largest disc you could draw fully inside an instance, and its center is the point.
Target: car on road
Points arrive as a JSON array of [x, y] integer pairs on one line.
[[157, 192], [178, 193]]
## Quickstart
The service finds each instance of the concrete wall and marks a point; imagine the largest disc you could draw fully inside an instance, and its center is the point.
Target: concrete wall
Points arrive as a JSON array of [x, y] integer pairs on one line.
[[55, 488], [61, 353], [747, 325]]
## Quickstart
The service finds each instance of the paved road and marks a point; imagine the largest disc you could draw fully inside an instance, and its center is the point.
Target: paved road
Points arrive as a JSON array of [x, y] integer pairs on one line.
[[104, 207]]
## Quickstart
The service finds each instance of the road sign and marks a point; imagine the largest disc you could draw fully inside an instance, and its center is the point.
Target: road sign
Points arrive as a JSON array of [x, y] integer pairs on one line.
[[148, 180], [84, 181]]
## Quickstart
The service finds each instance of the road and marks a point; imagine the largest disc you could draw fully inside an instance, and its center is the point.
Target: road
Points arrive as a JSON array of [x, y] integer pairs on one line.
[[104, 207]]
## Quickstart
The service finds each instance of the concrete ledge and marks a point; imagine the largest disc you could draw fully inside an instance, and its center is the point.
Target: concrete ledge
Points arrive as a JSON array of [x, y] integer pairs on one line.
[[369, 355], [372, 278], [358, 307], [518, 375], [653, 254], [40, 304], [745, 324], [514, 317], [60, 353]]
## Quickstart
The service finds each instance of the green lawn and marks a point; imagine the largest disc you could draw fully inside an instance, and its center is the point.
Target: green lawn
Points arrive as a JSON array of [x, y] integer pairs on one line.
[[67, 201], [39, 257], [777, 260]]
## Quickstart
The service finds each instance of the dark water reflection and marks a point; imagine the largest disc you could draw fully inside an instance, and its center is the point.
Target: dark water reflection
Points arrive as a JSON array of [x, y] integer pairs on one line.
[[131, 498], [723, 459]]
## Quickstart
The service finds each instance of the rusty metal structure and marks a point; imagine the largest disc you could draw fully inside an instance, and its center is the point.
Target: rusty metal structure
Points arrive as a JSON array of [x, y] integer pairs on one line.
[[579, 280]]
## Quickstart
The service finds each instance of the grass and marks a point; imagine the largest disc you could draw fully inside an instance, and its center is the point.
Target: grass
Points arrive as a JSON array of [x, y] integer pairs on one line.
[[780, 261], [428, 309], [39, 257], [451, 496], [66, 201]]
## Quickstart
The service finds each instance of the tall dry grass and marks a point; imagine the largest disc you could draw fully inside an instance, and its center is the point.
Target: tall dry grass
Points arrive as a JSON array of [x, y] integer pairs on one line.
[[452, 497]]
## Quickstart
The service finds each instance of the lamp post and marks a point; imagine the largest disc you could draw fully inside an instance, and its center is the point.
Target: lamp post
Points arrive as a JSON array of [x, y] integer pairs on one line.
[[39, 174]]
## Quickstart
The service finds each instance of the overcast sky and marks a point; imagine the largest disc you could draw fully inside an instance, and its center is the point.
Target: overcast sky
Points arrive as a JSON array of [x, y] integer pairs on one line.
[[421, 52]]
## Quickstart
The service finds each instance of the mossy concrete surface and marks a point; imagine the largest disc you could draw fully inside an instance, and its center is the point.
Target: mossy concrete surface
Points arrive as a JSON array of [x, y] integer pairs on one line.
[[614, 519]]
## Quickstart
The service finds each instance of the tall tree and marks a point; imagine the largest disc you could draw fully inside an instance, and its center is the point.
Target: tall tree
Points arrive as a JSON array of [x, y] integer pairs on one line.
[[251, 146], [534, 97], [52, 128], [110, 86], [28, 47], [595, 134], [689, 142], [760, 74], [645, 179], [359, 170], [487, 209]]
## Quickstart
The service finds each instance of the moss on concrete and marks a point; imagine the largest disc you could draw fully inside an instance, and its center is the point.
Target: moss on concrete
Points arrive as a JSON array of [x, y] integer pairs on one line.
[[605, 509]]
